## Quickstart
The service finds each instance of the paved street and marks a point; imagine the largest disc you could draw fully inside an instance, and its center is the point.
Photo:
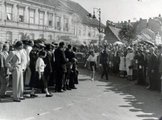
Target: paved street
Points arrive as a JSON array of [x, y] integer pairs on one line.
[[116, 99]]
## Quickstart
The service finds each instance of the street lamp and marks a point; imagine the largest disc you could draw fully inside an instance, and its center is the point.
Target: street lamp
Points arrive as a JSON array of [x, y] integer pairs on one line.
[[99, 20]]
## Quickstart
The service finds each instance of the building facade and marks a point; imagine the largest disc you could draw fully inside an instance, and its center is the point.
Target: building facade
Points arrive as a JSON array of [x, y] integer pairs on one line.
[[52, 20]]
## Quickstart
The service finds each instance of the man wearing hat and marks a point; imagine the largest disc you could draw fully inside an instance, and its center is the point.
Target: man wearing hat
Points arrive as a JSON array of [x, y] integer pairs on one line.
[[141, 67], [14, 63], [27, 47], [60, 62]]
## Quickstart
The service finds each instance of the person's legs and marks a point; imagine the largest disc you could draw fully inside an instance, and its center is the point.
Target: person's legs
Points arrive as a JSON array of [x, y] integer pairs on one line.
[[3, 84], [93, 73], [21, 84], [15, 82], [106, 72]]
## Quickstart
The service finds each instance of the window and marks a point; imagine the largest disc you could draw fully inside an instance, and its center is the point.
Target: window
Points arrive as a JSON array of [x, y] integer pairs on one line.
[[21, 14], [50, 19], [89, 33], [50, 37], [32, 16], [9, 10], [20, 36], [9, 36], [84, 30], [58, 23], [73, 26], [32, 36], [66, 24], [41, 36], [41, 18], [80, 32]]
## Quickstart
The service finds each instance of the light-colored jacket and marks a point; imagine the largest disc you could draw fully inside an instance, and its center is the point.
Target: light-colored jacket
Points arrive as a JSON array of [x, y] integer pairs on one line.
[[14, 60]]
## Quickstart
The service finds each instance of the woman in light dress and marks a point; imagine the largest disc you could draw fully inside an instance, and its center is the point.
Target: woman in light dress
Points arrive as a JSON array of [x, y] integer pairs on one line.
[[129, 63], [122, 65]]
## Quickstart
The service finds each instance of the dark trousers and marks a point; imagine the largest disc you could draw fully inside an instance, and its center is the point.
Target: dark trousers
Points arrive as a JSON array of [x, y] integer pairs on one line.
[[141, 77], [72, 78], [60, 80], [105, 71]]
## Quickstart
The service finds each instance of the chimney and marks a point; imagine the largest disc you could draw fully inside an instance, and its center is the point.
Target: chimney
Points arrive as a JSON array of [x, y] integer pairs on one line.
[[159, 15], [107, 22]]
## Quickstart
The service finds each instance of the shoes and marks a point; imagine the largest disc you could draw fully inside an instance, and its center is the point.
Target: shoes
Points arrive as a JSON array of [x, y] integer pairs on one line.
[[64, 88], [73, 88], [4, 96], [49, 95], [148, 87], [60, 91], [33, 95], [16, 100], [69, 88], [22, 98]]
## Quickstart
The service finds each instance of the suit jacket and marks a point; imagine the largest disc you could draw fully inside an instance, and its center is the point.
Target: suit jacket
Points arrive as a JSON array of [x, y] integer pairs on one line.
[[60, 60], [14, 60]]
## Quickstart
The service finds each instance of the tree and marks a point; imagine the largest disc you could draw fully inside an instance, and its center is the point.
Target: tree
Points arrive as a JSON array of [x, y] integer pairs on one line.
[[127, 33]]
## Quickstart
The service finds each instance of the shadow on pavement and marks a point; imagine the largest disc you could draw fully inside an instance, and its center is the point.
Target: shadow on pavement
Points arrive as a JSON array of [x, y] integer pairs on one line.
[[147, 104]]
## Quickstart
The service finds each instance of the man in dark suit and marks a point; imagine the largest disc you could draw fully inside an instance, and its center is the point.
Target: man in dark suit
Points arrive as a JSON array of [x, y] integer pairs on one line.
[[60, 65], [141, 63], [104, 62]]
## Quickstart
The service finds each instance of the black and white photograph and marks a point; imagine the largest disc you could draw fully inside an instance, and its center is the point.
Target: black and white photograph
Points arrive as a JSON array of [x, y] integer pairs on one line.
[[80, 59]]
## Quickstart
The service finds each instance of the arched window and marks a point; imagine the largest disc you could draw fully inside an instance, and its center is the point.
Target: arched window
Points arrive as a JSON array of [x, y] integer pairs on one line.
[[50, 37], [41, 36], [9, 36], [20, 36], [32, 36]]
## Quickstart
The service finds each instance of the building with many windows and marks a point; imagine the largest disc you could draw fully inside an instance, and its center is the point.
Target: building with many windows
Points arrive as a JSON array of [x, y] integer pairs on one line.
[[53, 20]]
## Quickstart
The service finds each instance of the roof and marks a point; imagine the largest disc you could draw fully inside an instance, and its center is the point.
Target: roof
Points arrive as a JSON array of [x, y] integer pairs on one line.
[[53, 3], [83, 13], [149, 32], [115, 31]]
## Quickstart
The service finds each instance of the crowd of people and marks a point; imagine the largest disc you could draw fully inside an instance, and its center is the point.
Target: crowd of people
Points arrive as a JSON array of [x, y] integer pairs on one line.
[[140, 62], [37, 65]]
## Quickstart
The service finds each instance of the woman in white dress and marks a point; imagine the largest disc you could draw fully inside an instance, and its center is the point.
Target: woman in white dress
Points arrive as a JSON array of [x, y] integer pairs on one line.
[[122, 65]]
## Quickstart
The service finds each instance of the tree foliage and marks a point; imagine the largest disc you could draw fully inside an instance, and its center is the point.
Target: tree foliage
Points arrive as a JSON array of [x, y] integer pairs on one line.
[[127, 33]]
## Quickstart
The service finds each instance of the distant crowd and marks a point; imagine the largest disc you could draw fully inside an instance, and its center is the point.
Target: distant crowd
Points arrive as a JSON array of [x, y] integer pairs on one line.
[[140, 62]]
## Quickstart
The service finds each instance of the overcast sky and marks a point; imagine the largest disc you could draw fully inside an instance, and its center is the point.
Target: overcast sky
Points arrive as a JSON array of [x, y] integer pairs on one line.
[[120, 10]]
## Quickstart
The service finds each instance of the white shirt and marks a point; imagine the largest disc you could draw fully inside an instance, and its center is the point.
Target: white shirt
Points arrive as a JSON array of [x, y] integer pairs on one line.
[[40, 65], [24, 59], [92, 58]]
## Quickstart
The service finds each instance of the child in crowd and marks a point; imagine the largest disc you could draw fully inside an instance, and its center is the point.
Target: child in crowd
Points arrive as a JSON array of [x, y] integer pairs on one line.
[[40, 66]]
